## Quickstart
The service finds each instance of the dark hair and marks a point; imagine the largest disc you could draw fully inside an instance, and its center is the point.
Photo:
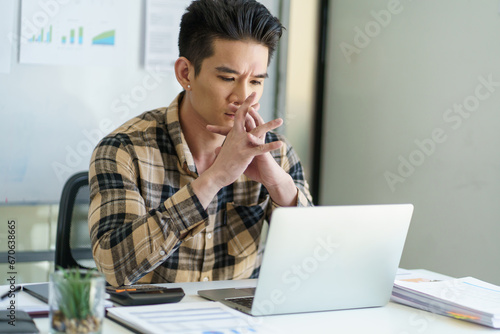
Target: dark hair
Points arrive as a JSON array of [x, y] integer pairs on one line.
[[207, 20]]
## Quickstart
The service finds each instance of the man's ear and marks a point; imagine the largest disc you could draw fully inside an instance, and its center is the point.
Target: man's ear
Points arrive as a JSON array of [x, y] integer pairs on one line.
[[183, 69]]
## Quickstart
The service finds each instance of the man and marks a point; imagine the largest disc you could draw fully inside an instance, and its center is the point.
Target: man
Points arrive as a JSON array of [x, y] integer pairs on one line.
[[181, 193]]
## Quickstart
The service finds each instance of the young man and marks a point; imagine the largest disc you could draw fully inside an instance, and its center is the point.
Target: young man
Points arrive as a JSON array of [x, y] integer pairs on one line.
[[181, 193]]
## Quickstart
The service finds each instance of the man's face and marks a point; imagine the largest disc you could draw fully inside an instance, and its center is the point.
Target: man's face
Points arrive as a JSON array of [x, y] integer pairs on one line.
[[226, 79]]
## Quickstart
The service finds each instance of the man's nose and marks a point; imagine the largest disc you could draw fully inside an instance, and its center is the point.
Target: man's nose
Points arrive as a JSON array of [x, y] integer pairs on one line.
[[240, 93]]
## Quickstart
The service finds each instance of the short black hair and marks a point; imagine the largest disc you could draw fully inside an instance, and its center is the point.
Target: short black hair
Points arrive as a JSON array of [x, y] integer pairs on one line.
[[234, 20]]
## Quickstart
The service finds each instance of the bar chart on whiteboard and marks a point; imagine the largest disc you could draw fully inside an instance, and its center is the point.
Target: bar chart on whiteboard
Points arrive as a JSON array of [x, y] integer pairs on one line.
[[73, 33]]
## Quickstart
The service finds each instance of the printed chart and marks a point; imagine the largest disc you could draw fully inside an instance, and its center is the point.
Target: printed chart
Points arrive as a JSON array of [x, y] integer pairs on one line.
[[89, 32]]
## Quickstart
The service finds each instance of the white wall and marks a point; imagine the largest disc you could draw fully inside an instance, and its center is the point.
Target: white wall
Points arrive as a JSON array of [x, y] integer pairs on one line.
[[410, 117]]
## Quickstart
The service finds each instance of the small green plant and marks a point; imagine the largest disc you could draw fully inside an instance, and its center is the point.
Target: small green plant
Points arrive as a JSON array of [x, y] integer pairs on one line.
[[75, 292], [75, 297]]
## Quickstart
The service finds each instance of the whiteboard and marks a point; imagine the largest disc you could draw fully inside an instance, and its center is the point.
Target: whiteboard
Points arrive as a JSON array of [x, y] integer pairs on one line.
[[54, 115]]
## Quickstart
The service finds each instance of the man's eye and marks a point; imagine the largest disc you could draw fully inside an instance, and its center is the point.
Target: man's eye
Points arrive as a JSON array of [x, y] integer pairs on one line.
[[256, 82], [229, 79]]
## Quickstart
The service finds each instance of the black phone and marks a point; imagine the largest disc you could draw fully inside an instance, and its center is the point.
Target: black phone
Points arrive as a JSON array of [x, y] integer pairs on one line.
[[144, 295]]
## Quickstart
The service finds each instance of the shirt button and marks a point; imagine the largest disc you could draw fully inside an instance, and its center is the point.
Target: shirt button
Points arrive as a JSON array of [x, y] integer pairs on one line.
[[162, 252], [205, 279], [209, 235]]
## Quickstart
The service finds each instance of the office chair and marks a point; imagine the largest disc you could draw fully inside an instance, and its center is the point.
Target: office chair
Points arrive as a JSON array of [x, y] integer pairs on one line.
[[73, 245]]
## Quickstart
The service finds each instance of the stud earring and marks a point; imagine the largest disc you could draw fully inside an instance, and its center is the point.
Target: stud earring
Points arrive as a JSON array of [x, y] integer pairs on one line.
[[189, 86]]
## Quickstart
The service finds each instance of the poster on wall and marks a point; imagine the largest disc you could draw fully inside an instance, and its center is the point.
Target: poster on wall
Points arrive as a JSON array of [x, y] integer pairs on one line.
[[163, 18], [80, 32]]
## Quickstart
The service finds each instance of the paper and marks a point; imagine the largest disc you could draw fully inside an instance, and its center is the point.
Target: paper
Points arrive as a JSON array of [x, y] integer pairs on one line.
[[163, 18], [466, 298], [468, 292], [74, 32], [7, 36], [420, 275], [187, 318]]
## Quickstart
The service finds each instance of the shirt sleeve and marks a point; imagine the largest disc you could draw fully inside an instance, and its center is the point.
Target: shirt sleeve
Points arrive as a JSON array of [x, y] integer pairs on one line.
[[288, 159], [129, 241]]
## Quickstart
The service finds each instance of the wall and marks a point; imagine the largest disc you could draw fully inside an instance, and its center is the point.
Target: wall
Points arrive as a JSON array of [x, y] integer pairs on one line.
[[301, 76], [412, 115]]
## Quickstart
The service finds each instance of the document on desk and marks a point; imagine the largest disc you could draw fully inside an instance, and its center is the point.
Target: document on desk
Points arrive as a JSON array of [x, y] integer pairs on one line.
[[186, 318], [465, 298]]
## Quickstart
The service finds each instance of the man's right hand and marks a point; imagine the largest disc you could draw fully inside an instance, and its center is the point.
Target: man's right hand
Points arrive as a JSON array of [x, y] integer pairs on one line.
[[239, 150]]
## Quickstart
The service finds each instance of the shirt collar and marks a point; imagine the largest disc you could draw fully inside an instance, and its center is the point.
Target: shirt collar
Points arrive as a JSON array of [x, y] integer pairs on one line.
[[174, 129]]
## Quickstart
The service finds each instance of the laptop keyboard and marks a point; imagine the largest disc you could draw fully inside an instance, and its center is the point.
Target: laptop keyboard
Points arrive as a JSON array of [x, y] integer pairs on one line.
[[243, 301]]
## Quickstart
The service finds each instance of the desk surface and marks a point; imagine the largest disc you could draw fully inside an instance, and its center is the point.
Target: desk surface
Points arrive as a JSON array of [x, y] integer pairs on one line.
[[390, 319]]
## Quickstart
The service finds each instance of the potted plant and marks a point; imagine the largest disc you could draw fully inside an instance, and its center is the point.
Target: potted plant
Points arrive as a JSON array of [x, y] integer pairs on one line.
[[76, 301]]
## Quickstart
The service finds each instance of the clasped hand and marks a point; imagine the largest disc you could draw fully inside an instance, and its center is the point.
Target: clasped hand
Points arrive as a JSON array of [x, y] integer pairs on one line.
[[245, 151]]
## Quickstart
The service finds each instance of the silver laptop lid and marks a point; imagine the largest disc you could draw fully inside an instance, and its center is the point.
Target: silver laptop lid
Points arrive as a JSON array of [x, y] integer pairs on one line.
[[331, 257]]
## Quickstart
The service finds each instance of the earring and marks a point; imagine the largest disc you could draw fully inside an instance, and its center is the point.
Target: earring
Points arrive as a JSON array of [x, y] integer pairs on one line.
[[189, 87]]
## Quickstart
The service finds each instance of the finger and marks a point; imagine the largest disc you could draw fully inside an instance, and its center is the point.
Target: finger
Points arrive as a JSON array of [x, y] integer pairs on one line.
[[256, 116], [250, 122], [243, 110], [266, 127], [256, 106], [221, 130], [268, 147]]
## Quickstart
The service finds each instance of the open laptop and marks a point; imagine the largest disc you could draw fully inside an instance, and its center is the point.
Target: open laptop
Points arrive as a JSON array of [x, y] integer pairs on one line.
[[325, 258]]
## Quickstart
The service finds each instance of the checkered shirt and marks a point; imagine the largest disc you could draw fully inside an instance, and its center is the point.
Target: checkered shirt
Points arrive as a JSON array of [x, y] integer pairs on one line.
[[147, 225]]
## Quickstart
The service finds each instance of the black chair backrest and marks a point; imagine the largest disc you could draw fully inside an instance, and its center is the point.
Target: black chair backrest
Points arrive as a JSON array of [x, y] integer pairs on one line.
[[73, 246]]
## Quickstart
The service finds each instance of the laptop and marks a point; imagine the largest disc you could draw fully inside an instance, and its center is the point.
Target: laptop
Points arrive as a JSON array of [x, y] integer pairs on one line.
[[325, 258]]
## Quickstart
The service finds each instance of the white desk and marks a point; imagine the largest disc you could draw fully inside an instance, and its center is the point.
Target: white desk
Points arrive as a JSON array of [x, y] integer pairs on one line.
[[390, 319]]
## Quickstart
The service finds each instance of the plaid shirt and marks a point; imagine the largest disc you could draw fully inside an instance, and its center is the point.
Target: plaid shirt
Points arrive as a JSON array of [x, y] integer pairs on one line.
[[147, 225]]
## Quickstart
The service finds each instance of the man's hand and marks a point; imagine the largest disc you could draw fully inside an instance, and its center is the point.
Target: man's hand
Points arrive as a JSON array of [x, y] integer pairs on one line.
[[249, 134], [244, 141], [234, 157]]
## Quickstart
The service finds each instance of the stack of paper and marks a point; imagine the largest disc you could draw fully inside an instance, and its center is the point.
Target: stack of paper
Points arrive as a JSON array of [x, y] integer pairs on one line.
[[466, 298]]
